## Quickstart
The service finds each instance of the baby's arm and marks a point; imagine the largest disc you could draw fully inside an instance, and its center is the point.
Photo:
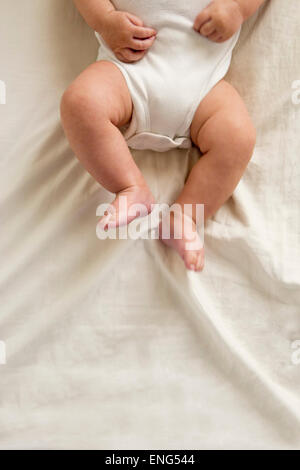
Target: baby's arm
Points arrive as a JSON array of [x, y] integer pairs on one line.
[[123, 32], [221, 19], [94, 12], [249, 7]]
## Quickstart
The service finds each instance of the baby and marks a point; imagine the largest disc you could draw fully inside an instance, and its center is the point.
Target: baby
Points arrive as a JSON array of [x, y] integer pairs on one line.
[[159, 84]]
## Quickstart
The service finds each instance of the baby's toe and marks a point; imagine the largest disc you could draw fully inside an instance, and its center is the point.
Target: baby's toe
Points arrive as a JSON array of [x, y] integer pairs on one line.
[[200, 262], [194, 260], [191, 260]]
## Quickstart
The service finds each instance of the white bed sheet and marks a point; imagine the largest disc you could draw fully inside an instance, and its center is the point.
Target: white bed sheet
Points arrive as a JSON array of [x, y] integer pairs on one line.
[[113, 344]]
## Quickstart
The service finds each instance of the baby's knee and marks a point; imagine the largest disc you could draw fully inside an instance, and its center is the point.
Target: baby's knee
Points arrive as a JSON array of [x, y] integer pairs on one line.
[[79, 102], [240, 135], [230, 137], [71, 100]]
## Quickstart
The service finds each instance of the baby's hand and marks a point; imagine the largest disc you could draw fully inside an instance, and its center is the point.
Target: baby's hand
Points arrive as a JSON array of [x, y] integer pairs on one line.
[[126, 35], [219, 20]]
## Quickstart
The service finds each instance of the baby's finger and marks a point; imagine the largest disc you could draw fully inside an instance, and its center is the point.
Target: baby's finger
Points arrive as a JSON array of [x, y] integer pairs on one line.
[[143, 32], [215, 36], [202, 18], [208, 28], [134, 19], [142, 44]]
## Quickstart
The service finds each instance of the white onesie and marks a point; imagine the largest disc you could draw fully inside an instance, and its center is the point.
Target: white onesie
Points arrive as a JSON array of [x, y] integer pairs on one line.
[[169, 82]]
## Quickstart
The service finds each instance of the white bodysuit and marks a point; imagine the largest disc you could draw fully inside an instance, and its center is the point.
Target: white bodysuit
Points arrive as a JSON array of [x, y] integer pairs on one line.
[[169, 82]]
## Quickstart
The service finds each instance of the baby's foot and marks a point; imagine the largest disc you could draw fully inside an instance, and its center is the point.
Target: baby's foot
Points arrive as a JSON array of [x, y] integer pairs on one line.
[[189, 245], [130, 203]]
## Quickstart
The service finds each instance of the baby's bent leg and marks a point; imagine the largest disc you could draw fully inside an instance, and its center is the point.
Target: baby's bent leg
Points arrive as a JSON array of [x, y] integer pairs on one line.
[[223, 131], [93, 108]]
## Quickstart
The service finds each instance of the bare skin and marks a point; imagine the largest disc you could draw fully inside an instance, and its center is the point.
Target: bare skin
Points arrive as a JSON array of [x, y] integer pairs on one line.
[[98, 103]]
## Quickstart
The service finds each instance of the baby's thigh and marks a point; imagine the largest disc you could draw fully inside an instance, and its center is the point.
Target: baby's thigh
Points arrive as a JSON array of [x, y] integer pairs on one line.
[[98, 92], [222, 117]]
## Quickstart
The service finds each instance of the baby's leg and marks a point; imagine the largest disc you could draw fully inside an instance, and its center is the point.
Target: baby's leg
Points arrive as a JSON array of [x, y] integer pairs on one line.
[[223, 131], [93, 108]]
